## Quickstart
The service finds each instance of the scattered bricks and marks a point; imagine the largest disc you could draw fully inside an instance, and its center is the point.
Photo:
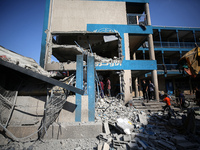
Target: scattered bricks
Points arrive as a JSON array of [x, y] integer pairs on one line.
[[106, 128], [187, 145], [106, 146]]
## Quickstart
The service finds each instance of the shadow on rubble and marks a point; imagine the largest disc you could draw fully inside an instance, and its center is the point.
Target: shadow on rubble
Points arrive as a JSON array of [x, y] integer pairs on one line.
[[150, 130]]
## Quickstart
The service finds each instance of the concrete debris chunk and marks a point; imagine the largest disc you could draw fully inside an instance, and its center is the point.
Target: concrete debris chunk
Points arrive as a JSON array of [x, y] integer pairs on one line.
[[106, 127], [106, 146], [125, 124]]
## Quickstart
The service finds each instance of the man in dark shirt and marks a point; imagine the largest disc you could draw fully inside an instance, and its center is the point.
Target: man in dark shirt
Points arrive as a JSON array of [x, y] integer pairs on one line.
[[181, 98], [144, 89]]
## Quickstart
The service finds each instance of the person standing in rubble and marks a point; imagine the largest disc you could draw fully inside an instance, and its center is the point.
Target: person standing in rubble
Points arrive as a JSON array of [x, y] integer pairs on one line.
[[102, 88], [144, 89], [108, 87], [151, 90], [181, 99]]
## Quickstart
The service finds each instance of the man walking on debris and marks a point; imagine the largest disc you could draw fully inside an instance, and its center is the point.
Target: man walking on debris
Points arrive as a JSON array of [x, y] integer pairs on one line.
[[151, 90], [144, 89], [168, 106]]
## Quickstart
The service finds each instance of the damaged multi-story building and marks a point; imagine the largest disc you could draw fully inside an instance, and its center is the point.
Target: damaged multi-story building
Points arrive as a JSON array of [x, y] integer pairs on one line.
[[112, 31], [84, 42], [125, 45]]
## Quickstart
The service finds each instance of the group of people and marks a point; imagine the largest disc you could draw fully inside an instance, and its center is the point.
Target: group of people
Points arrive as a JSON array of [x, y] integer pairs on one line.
[[148, 90], [107, 90]]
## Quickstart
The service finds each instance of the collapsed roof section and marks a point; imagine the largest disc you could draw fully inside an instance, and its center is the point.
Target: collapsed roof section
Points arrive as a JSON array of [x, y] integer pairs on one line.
[[22, 61], [106, 47]]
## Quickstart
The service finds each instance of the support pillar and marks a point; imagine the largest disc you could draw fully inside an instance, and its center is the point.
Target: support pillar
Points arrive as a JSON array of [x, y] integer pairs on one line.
[[151, 53], [79, 84], [136, 87], [127, 73], [91, 87], [136, 80]]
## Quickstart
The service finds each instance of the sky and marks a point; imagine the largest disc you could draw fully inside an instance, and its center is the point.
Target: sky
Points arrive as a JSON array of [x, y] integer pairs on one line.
[[21, 21]]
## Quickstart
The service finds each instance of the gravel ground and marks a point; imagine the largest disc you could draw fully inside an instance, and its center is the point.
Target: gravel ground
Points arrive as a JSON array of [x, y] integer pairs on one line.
[[68, 144]]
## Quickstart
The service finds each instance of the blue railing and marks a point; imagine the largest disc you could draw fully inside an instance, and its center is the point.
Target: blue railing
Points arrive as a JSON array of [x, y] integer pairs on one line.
[[175, 44], [136, 19]]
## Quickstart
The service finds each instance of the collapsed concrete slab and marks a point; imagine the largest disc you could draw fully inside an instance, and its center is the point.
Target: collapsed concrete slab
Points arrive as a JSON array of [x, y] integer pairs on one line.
[[22, 61]]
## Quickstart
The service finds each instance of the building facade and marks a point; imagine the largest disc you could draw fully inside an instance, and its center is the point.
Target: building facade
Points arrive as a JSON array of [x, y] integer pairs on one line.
[[111, 30]]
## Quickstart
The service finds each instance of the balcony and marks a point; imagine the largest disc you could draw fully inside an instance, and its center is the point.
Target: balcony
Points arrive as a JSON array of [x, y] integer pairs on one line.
[[136, 19], [175, 44]]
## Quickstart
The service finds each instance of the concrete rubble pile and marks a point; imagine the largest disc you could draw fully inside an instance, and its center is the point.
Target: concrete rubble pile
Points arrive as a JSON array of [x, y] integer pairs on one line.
[[128, 128]]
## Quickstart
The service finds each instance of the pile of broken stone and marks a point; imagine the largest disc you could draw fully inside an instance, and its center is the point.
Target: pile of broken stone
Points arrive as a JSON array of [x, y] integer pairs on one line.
[[125, 127]]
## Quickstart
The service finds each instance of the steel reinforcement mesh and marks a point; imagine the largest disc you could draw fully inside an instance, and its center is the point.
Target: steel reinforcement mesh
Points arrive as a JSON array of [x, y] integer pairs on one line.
[[54, 104], [7, 102]]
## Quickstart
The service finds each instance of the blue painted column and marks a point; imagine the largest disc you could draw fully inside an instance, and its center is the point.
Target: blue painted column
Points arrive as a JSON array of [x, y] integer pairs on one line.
[[91, 88], [143, 54], [178, 38], [44, 35], [160, 37], [79, 84]]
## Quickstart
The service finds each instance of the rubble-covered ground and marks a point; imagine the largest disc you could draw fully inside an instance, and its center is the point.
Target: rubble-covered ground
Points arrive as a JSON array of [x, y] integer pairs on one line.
[[125, 127]]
